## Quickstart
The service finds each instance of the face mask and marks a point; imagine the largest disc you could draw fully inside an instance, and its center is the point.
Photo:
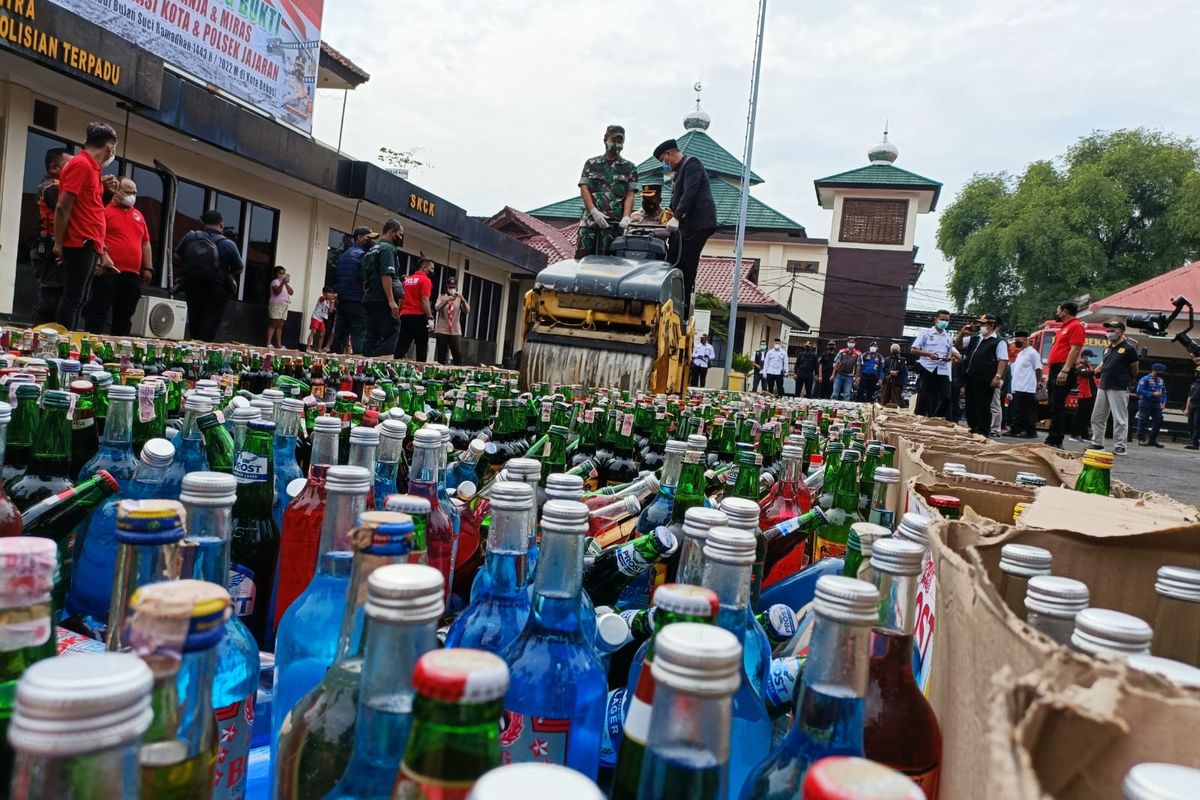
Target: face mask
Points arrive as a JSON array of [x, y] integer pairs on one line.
[[850, 345], [665, 167], [778, 346], [943, 324], [129, 200], [895, 353], [874, 349], [1112, 336], [762, 347], [614, 147], [111, 158]]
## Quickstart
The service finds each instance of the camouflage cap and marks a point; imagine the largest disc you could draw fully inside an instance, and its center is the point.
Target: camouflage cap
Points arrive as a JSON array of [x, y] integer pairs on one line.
[[614, 129]]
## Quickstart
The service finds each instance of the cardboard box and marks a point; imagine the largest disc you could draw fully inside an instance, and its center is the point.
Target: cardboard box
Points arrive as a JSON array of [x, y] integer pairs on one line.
[[981, 647], [979, 498]]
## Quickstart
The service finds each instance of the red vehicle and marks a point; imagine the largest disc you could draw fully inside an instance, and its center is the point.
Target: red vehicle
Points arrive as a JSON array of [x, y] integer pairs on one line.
[[1093, 339]]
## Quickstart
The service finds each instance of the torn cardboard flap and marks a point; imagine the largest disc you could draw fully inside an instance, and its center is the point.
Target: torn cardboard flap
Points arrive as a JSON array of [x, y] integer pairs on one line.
[[1058, 508], [993, 502]]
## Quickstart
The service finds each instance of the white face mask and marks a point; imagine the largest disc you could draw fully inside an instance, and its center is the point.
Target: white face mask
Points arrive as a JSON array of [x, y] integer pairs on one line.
[[111, 158], [874, 349], [129, 200]]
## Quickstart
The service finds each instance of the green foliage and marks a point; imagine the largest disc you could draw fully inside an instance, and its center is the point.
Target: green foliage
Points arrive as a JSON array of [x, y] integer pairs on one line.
[[1119, 207], [401, 159], [718, 324], [743, 363]]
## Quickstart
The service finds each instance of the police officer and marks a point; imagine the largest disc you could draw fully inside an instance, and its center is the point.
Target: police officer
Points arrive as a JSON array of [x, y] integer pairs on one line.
[[1152, 398], [607, 185], [651, 212], [47, 271]]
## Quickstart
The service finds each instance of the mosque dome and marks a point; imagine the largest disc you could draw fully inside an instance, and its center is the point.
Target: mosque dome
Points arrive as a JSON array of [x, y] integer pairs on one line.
[[697, 120], [883, 152]]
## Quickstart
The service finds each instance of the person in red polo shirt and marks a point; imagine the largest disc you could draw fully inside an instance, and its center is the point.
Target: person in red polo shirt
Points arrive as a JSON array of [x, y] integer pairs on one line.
[[416, 315], [125, 265], [79, 218], [1064, 354]]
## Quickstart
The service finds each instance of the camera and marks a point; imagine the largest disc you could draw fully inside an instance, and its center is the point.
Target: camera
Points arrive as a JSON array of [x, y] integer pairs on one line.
[[1157, 323]]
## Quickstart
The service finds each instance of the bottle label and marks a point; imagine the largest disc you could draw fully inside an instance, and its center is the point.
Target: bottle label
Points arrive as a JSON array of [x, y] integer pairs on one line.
[[589, 416], [825, 548], [546, 408], [235, 723], [884, 517], [637, 720], [630, 562], [782, 620], [71, 401], [70, 643], [412, 785], [26, 579], [81, 422], [924, 619], [25, 626], [527, 738], [242, 590], [145, 402], [627, 425], [781, 681], [612, 732], [250, 467]]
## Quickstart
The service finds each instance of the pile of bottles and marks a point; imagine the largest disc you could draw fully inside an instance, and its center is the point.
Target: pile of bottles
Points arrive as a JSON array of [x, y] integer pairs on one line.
[[308, 578]]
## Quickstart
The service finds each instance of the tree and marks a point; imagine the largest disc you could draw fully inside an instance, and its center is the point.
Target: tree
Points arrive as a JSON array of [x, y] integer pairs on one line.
[[401, 159], [1119, 207], [718, 322]]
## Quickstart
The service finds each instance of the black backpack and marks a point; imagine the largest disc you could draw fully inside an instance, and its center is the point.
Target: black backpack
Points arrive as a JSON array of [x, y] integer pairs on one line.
[[201, 258]]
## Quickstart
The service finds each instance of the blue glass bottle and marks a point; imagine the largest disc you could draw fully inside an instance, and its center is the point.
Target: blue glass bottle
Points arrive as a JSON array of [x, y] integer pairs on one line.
[[463, 468], [387, 463], [87, 604], [306, 642], [208, 499], [728, 563], [287, 423], [660, 510], [554, 708], [443, 496], [498, 613], [404, 602], [529, 471], [189, 445], [828, 715]]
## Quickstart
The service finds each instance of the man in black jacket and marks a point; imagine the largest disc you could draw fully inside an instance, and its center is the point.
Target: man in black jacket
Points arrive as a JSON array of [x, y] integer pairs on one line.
[[694, 214]]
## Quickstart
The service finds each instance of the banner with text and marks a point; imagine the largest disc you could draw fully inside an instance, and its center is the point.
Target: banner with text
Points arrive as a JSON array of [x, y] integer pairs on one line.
[[263, 52]]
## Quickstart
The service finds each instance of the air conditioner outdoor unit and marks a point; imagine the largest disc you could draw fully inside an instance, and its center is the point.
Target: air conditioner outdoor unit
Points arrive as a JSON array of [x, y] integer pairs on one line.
[[159, 318]]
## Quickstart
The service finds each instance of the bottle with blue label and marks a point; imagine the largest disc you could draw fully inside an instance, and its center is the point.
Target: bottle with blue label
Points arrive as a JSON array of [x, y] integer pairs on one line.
[[190, 455], [554, 708], [829, 710], [306, 640], [208, 499], [498, 613], [87, 609], [254, 545], [287, 425], [728, 565]]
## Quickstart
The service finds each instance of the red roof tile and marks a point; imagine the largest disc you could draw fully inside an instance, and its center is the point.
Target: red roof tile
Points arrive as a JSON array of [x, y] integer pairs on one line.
[[715, 276], [557, 244], [1155, 294]]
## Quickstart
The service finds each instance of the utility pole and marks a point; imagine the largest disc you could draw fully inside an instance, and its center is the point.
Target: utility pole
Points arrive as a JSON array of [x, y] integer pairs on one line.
[[740, 241]]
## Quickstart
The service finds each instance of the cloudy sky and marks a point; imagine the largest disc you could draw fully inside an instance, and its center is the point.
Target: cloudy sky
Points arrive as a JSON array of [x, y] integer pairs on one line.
[[506, 99]]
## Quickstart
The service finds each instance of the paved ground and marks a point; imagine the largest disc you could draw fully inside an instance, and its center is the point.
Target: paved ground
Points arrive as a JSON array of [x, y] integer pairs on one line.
[[1172, 470]]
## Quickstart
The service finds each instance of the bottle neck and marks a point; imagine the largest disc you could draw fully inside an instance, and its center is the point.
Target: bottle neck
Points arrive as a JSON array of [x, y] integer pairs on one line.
[[386, 694], [113, 772], [793, 471], [324, 450], [898, 602], [672, 466], [747, 481], [731, 582], [683, 722], [469, 731], [181, 716], [362, 455], [137, 565], [838, 658], [428, 464], [390, 450], [287, 424], [560, 567], [208, 527], [118, 426]]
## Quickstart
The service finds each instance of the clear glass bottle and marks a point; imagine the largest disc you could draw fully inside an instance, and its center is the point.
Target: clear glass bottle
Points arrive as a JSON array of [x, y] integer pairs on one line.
[[693, 533], [1177, 614], [1051, 603], [559, 717], [829, 710], [499, 608], [174, 627], [387, 465], [428, 466], [77, 726], [287, 469], [402, 599], [116, 448], [1019, 563], [190, 455], [885, 497], [148, 536], [728, 564], [1103, 632], [743, 512], [696, 670]]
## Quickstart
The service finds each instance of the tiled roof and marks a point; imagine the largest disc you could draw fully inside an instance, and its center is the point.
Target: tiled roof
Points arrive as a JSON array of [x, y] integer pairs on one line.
[[329, 51], [715, 276], [714, 157], [880, 175], [1155, 294], [759, 215], [541, 236]]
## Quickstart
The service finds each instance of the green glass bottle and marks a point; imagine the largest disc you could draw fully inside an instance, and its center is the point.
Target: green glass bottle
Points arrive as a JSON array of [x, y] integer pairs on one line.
[[1096, 475], [218, 444], [555, 460], [617, 567], [175, 626], [254, 544], [50, 464], [866, 480], [690, 492], [85, 439], [831, 539], [25, 418], [455, 735]]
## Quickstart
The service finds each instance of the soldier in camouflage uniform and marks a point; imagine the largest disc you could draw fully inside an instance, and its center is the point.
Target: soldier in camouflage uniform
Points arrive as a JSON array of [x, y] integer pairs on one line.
[[608, 185]]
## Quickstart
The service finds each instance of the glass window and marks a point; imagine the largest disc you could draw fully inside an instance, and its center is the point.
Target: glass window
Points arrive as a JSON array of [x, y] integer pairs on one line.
[[483, 296], [190, 203], [152, 194], [339, 242], [25, 289], [873, 221], [260, 253], [232, 211]]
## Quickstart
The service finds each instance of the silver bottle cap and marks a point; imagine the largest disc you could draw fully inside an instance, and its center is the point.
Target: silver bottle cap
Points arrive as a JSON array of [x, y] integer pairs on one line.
[[157, 453], [411, 593], [1101, 630], [846, 600], [348, 480], [699, 520], [742, 513], [1025, 560], [896, 556], [728, 545], [534, 779], [208, 489], [1055, 596], [561, 486], [1157, 781], [327, 424], [362, 435], [1179, 583], [697, 659]]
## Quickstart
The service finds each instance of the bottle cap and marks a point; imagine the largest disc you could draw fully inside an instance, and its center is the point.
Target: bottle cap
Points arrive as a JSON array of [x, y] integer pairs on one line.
[[729, 545], [29, 391], [675, 446], [149, 522], [944, 501], [895, 556], [291, 405], [327, 424], [274, 395], [1054, 596], [631, 504], [914, 527], [1030, 479], [405, 593], [208, 489], [294, 487], [1158, 781], [265, 407], [81, 387], [443, 431], [173, 617], [69, 365], [347, 396], [460, 675], [686, 600], [853, 457], [477, 447], [427, 438], [242, 413], [348, 480], [158, 453], [887, 475], [392, 429], [534, 779], [742, 513], [1025, 560], [953, 467], [362, 435], [53, 398], [664, 540], [612, 631], [383, 533], [408, 504], [1101, 630], [781, 619], [82, 704], [261, 425], [561, 486], [195, 402], [697, 442], [1174, 671], [698, 659], [564, 517], [867, 533], [699, 520], [524, 469], [512, 496], [1179, 583], [851, 778], [846, 600], [1099, 459], [30, 565]]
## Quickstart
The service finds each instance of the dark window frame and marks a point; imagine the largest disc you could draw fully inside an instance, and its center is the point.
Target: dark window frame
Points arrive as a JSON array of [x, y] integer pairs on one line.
[[803, 267]]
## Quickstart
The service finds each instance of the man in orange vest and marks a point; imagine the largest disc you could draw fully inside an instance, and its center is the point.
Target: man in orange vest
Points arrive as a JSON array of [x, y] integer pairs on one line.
[[46, 269]]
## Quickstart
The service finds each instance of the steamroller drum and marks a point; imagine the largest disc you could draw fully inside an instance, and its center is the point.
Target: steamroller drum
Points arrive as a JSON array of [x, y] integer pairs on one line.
[[593, 367]]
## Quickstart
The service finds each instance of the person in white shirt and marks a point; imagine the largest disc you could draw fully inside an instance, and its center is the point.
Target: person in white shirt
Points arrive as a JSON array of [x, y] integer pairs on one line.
[[934, 351], [774, 365], [702, 355], [1026, 377]]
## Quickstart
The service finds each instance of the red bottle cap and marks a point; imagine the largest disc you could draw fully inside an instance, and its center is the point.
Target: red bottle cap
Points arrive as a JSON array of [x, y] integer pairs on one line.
[[461, 675], [107, 477], [944, 501], [842, 778]]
